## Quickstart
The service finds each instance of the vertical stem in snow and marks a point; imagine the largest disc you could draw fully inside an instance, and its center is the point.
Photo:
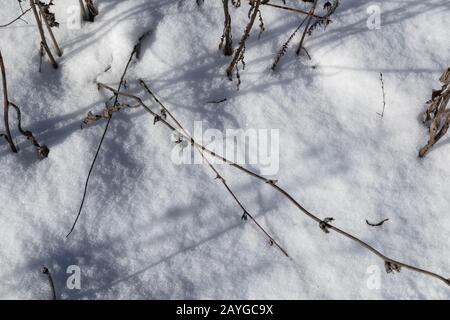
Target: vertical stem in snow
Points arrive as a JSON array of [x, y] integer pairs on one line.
[[228, 46], [41, 32], [52, 36], [311, 13], [83, 10], [6, 106], [244, 38]]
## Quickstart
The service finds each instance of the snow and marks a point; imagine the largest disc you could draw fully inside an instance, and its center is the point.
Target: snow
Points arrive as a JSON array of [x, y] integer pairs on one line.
[[153, 230]]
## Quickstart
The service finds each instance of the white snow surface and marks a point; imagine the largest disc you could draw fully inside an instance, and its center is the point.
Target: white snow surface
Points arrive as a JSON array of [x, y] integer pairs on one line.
[[151, 229]]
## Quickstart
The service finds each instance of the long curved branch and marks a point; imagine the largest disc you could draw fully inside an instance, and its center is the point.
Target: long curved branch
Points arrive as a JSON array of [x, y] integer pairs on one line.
[[188, 137], [218, 175], [390, 263]]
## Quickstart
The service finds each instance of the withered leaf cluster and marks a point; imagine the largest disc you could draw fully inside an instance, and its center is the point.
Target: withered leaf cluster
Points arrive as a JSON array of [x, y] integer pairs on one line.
[[437, 115]]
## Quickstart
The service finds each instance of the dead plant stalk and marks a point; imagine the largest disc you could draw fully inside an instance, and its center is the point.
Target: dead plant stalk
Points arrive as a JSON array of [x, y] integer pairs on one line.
[[42, 34], [8, 135], [391, 264], [238, 53], [50, 32]]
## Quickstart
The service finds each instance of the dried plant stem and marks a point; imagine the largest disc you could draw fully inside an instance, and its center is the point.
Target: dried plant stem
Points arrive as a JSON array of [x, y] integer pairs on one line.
[[227, 40], [311, 13], [390, 264], [88, 10], [6, 104], [295, 10], [134, 52], [16, 19], [248, 28], [216, 172], [285, 46], [50, 32], [46, 271], [83, 10], [384, 96], [41, 32], [42, 150]]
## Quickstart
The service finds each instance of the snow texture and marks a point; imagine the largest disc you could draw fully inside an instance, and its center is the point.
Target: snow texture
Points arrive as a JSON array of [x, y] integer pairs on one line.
[[151, 229]]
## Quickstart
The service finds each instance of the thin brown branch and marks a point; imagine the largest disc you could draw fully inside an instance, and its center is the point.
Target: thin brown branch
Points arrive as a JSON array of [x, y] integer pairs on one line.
[[384, 96], [226, 42], [285, 45], [390, 264], [310, 17], [134, 52], [6, 104], [42, 34], [216, 172], [295, 10], [16, 19], [50, 31], [238, 53]]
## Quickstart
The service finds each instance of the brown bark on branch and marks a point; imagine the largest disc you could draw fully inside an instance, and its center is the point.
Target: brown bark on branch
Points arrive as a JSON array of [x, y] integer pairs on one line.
[[6, 104], [308, 22], [238, 53], [226, 42], [42, 34], [50, 32]]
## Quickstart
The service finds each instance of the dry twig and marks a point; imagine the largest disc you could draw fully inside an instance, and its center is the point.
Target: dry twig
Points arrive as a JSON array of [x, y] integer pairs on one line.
[[134, 52], [239, 53], [16, 19], [384, 96], [42, 34], [41, 149], [376, 224]]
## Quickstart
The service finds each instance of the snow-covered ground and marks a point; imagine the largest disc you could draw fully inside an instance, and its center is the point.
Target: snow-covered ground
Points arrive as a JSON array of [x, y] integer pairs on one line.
[[152, 229]]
